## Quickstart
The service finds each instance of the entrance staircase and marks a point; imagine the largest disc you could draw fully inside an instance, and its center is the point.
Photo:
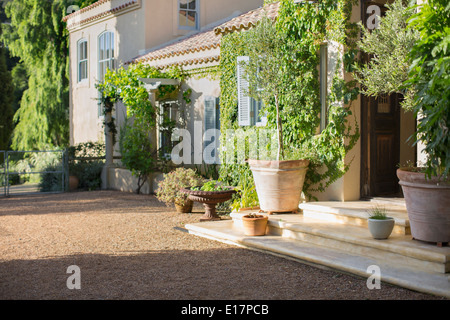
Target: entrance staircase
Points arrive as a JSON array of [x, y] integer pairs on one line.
[[335, 235]]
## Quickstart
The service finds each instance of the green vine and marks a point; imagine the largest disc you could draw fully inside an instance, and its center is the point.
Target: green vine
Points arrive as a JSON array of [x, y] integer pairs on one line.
[[304, 28], [124, 85]]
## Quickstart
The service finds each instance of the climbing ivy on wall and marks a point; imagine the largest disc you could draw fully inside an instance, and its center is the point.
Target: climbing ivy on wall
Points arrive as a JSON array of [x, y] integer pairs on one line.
[[124, 85], [305, 27]]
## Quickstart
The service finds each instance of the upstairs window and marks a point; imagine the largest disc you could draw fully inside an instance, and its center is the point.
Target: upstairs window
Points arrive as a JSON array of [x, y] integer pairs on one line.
[[188, 14], [105, 54], [105, 59], [82, 60]]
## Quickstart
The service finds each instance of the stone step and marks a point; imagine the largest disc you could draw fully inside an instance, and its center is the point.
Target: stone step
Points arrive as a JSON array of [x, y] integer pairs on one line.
[[313, 246], [357, 240], [357, 212]]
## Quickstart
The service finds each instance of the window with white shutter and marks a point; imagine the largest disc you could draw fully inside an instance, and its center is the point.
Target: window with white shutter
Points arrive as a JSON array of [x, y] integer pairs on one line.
[[244, 101], [248, 108]]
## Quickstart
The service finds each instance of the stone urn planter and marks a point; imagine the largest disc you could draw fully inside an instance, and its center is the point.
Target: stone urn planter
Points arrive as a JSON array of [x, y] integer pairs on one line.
[[254, 225], [209, 199], [279, 184], [428, 205]]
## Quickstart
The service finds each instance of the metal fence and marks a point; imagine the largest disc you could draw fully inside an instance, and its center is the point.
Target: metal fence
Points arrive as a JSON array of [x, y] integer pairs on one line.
[[3, 172], [29, 172]]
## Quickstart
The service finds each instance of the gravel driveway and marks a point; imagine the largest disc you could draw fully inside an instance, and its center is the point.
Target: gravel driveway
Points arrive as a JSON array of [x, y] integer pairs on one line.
[[130, 246]]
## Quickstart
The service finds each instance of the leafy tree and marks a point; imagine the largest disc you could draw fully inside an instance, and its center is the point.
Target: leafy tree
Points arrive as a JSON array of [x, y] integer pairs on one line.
[[389, 46], [429, 76], [6, 100], [38, 36]]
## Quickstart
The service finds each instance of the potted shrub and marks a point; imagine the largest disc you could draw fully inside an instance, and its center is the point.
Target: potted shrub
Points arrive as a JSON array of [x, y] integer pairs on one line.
[[380, 225], [419, 69], [169, 189], [279, 181]]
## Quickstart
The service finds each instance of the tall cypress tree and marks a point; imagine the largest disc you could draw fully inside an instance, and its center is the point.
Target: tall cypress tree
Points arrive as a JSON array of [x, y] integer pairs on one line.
[[6, 101], [39, 37]]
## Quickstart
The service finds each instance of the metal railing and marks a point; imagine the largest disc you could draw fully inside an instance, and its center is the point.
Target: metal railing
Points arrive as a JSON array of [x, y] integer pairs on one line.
[[3, 169], [11, 169]]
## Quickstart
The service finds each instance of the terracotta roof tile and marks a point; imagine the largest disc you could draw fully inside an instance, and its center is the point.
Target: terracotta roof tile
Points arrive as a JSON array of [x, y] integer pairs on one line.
[[92, 6], [110, 11], [208, 39], [248, 20], [201, 41]]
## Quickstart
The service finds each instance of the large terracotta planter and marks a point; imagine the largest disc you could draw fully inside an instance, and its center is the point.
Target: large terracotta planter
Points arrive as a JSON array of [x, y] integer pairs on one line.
[[279, 184], [428, 205], [209, 199]]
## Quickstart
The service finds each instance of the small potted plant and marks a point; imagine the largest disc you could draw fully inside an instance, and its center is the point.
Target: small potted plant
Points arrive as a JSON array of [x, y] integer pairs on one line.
[[169, 189], [255, 224], [380, 225]]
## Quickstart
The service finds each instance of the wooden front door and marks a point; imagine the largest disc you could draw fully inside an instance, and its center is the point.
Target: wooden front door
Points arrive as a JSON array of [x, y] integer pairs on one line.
[[380, 138]]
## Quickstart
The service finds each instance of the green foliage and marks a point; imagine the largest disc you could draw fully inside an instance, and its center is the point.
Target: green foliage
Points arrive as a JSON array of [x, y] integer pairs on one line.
[[124, 85], [389, 46], [136, 151], [51, 182], [87, 149], [430, 77], [38, 36], [211, 185], [169, 188], [6, 101], [292, 74], [246, 196], [378, 213], [89, 173], [83, 164]]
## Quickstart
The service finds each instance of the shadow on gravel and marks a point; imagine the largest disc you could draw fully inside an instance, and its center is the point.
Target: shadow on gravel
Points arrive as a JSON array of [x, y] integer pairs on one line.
[[185, 275]]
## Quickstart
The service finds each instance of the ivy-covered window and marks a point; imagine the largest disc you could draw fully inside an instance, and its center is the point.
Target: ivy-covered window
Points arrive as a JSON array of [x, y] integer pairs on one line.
[[188, 14], [82, 49], [249, 110]]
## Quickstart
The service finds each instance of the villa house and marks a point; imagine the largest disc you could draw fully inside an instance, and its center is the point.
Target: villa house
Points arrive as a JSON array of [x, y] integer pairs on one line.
[[109, 33], [114, 32]]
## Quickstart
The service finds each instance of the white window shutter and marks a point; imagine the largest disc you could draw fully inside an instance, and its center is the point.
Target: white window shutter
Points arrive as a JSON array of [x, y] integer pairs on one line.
[[244, 101]]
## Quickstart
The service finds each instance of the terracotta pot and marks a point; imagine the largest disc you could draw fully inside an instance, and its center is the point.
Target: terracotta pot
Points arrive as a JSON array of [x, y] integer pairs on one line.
[[428, 205], [186, 208], [279, 184], [255, 226], [73, 183], [381, 228]]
